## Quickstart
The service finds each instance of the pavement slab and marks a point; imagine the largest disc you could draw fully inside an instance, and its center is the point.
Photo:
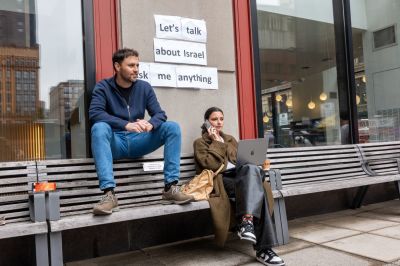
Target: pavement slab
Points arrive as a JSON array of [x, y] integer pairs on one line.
[[358, 223], [395, 210], [241, 246], [124, 259], [368, 245], [319, 233], [198, 253], [321, 256], [379, 205], [293, 245], [380, 216], [393, 232], [327, 216]]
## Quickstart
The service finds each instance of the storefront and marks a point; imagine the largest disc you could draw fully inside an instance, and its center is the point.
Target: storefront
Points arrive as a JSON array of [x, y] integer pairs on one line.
[[298, 72], [327, 71]]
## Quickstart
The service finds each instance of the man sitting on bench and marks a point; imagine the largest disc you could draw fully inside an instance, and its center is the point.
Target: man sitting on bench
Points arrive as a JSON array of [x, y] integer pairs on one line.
[[119, 130]]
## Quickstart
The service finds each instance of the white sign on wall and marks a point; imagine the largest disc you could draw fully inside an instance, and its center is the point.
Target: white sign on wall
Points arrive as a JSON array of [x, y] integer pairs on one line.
[[168, 27], [168, 75], [144, 71], [197, 77], [162, 75], [194, 30], [173, 27], [180, 52]]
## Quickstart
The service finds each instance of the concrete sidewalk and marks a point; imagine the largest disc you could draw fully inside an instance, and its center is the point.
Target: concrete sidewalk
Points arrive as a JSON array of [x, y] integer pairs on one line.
[[367, 236]]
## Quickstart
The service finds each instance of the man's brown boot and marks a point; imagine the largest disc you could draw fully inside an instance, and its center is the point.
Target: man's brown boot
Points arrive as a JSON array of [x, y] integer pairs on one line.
[[175, 196], [106, 205]]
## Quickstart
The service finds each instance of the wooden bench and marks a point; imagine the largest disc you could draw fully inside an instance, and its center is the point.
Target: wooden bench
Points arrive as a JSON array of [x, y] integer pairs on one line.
[[22, 212], [138, 192], [304, 170]]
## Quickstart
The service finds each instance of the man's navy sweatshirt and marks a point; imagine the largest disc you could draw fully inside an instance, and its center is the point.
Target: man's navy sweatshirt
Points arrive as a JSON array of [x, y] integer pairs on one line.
[[108, 105]]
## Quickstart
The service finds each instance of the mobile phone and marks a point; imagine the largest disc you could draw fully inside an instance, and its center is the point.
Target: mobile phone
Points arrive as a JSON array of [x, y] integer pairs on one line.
[[207, 124]]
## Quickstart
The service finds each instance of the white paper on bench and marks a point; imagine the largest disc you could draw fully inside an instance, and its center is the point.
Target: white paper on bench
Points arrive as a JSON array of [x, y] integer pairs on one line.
[[153, 166]]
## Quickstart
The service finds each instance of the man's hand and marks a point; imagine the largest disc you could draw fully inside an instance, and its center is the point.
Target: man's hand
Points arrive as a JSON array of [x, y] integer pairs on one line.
[[145, 125], [139, 126]]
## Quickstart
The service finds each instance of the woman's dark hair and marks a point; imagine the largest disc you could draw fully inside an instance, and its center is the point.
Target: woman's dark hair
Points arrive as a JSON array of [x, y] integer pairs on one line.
[[207, 116], [123, 53]]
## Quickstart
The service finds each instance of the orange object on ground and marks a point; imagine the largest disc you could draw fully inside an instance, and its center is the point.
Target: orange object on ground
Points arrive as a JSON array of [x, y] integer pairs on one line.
[[45, 186]]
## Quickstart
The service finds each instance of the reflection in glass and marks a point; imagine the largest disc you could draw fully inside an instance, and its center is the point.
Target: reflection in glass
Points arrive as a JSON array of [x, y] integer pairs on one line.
[[41, 55], [298, 72], [377, 68]]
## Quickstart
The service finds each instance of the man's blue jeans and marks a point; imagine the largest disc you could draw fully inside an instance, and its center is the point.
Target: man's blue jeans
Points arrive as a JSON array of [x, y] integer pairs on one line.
[[108, 146]]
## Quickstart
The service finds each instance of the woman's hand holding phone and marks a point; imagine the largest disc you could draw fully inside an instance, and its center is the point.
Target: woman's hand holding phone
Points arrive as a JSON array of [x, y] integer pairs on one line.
[[212, 132]]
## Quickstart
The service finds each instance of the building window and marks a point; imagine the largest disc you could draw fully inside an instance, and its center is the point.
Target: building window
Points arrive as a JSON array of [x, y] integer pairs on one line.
[[385, 37], [25, 27], [377, 69]]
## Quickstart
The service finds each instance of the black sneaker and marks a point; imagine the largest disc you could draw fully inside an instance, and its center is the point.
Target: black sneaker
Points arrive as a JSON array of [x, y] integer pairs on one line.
[[246, 231], [269, 257]]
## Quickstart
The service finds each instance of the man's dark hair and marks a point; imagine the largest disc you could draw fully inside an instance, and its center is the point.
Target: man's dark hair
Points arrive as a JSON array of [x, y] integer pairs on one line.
[[123, 53]]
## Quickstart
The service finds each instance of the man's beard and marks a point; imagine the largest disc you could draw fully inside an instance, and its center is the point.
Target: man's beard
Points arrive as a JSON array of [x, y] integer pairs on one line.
[[128, 78]]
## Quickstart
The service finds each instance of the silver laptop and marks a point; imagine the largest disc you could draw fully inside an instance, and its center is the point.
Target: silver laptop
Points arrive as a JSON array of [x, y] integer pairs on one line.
[[252, 151]]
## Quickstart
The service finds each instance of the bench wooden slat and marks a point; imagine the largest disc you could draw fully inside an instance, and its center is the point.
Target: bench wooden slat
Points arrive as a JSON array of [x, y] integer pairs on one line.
[[17, 214], [89, 210], [22, 229], [14, 189], [18, 180], [14, 206], [275, 165], [312, 178], [274, 154], [18, 164], [121, 181], [14, 197], [293, 191], [320, 168], [79, 221], [121, 203]]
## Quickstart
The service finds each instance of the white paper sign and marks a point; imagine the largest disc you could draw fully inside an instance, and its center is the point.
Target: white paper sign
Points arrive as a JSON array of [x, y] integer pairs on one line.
[[170, 51], [168, 27], [162, 75], [194, 30], [173, 27], [197, 77], [153, 166], [144, 71], [168, 75], [283, 119]]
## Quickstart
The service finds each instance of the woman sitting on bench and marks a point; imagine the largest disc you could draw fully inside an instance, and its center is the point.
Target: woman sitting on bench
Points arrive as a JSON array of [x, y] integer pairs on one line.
[[242, 184]]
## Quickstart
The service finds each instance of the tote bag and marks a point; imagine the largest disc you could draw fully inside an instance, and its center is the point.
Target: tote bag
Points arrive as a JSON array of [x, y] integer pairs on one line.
[[201, 185]]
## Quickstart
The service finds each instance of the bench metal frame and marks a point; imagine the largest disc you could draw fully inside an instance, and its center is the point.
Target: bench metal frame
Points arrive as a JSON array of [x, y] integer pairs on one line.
[[24, 211]]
